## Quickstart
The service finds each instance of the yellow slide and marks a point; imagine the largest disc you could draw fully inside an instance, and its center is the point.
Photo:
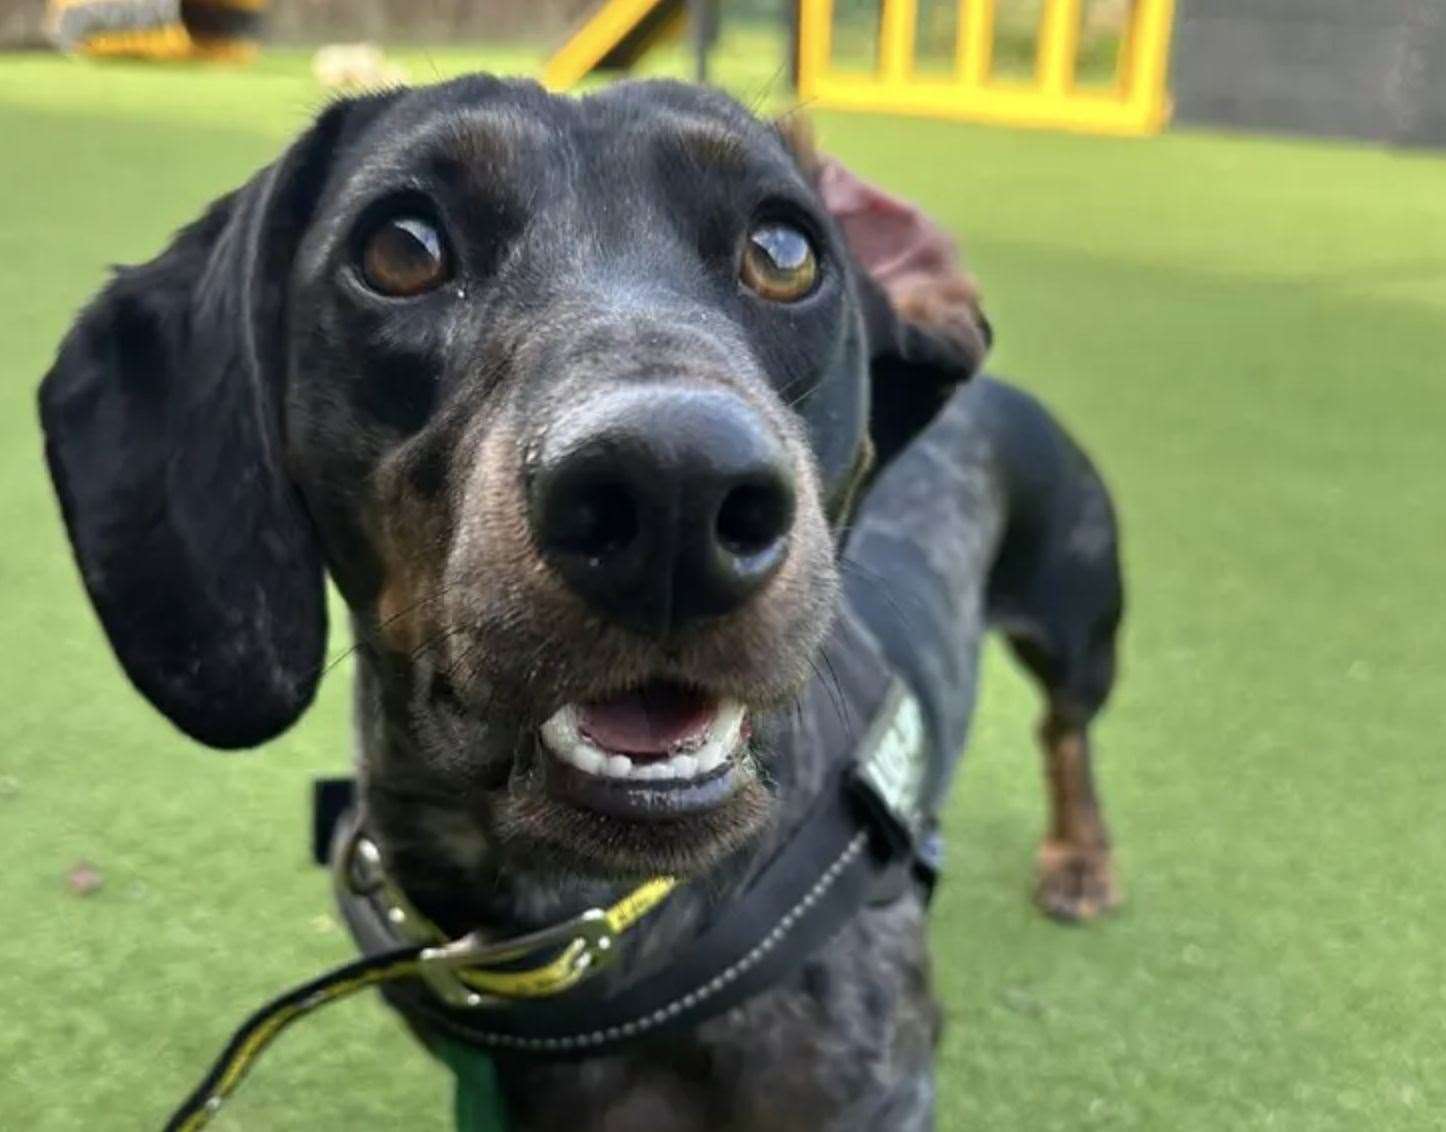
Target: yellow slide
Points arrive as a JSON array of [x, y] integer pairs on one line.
[[616, 35]]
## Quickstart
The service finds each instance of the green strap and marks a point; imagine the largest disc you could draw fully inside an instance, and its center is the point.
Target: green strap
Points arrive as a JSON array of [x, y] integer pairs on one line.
[[479, 1105]]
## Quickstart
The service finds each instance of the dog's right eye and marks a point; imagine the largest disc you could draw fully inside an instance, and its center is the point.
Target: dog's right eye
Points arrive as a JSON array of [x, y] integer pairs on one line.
[[779, 263], [404, 256]]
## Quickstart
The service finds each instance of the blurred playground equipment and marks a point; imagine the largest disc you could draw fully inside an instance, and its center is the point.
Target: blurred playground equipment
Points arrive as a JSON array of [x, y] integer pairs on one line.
[[1134, 100], [223, 30], [619, 32]]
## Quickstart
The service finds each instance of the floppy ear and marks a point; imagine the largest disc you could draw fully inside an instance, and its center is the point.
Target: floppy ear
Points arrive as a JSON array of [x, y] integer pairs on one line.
[[925, 326], [162, 419], [934, 317]]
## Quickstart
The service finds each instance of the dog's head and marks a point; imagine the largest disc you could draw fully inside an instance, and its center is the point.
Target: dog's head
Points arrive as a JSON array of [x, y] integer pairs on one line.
[[570, 397]]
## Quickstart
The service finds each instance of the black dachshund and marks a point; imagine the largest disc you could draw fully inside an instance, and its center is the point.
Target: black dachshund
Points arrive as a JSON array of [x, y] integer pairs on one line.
[[637, 437]]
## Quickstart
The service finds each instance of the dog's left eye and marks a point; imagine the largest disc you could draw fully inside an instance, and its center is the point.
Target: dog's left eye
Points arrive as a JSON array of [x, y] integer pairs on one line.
[[405, 256], [779, 263]]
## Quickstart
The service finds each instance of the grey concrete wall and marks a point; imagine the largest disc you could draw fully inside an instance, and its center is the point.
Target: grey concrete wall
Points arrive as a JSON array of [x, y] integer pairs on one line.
[[421, 21], [22, 23], [387, 21], [1420, 85], [1356, 68]]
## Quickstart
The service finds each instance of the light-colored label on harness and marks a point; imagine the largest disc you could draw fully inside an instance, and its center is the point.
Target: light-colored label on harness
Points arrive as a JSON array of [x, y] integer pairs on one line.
[[892, 763]]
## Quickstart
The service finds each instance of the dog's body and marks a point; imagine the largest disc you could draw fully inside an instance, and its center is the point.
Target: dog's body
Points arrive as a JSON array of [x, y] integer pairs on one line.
[[489, 355]]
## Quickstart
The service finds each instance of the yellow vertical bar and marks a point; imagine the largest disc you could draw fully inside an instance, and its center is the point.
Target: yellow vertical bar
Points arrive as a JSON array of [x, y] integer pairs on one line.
[[1059, 30], [1149, 62], [1125, 54], [815, 44], [976, 41], [896, 40]]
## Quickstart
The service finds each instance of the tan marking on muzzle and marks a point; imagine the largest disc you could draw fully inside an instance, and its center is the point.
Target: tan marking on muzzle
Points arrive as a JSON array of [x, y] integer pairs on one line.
[[411, 537]]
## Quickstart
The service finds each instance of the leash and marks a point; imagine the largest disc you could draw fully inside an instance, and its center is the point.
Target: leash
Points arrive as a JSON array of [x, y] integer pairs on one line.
[[261, 1028], [588, 946]]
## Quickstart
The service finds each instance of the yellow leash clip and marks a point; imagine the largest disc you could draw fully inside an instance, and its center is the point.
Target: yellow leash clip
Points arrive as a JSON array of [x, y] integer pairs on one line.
[[458, 970], [588, 941]]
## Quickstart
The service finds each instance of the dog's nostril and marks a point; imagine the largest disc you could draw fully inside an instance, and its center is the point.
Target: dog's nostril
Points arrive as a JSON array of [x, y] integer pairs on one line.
[[753, 517], [593, 519]]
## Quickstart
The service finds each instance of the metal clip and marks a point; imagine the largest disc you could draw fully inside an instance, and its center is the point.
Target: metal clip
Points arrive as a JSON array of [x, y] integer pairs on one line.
[[588, 947], [587, 941]]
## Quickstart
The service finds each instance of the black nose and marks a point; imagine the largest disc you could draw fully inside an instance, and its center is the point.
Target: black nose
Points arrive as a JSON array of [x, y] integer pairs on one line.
[[664, 507]]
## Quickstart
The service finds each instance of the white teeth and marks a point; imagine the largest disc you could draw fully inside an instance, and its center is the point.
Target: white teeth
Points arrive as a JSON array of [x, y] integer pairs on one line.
[[709, 759], [684, 766], [587, 758], [722, 737], [563, 738], [618, 766]]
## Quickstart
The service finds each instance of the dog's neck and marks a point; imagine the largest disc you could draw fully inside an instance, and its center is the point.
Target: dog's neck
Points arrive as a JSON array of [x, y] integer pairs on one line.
[[437, 850]]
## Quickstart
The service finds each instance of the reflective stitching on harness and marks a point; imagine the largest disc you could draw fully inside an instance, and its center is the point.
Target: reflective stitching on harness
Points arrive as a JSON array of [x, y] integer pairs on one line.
[[694, 997]]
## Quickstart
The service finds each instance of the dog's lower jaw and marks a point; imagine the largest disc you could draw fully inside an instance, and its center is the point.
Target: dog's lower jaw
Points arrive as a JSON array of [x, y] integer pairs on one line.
[[541, 832]]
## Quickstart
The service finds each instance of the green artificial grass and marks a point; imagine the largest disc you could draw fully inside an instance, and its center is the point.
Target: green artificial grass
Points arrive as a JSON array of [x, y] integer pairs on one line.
[[1248, 335]]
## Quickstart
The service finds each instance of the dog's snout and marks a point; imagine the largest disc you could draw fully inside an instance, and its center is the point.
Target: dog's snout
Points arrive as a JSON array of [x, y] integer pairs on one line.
[[662, 508]]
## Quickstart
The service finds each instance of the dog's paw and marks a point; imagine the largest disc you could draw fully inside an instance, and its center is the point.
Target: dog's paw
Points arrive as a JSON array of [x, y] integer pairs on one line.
[[1075, 883]]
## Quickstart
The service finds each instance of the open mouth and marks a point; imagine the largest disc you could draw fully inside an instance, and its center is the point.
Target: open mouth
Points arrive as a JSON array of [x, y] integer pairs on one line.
[[661, 750]]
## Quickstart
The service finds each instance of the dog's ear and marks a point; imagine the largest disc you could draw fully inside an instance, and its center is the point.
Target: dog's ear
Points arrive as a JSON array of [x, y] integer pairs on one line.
[[921, 307], [921, 310], [162, 419]]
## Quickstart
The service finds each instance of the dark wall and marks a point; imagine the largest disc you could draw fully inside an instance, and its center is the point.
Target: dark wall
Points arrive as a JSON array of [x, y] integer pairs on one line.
[[1357, 68], [1422, 80], [386, 21], [22, 23], [420, 21]]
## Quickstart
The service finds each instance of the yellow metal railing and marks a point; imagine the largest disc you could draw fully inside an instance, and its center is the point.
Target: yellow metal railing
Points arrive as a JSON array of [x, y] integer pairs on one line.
[[1136, 103]]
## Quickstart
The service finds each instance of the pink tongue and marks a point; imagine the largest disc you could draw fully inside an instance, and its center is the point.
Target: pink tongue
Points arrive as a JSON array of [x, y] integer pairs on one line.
[[652, 720]]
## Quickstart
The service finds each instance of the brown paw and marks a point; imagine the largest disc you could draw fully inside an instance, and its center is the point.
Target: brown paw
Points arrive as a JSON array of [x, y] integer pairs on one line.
[[1075, 883]]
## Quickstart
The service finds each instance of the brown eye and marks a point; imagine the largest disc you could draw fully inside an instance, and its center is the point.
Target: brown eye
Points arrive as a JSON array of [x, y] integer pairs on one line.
[[778, 263], [404, 256]]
